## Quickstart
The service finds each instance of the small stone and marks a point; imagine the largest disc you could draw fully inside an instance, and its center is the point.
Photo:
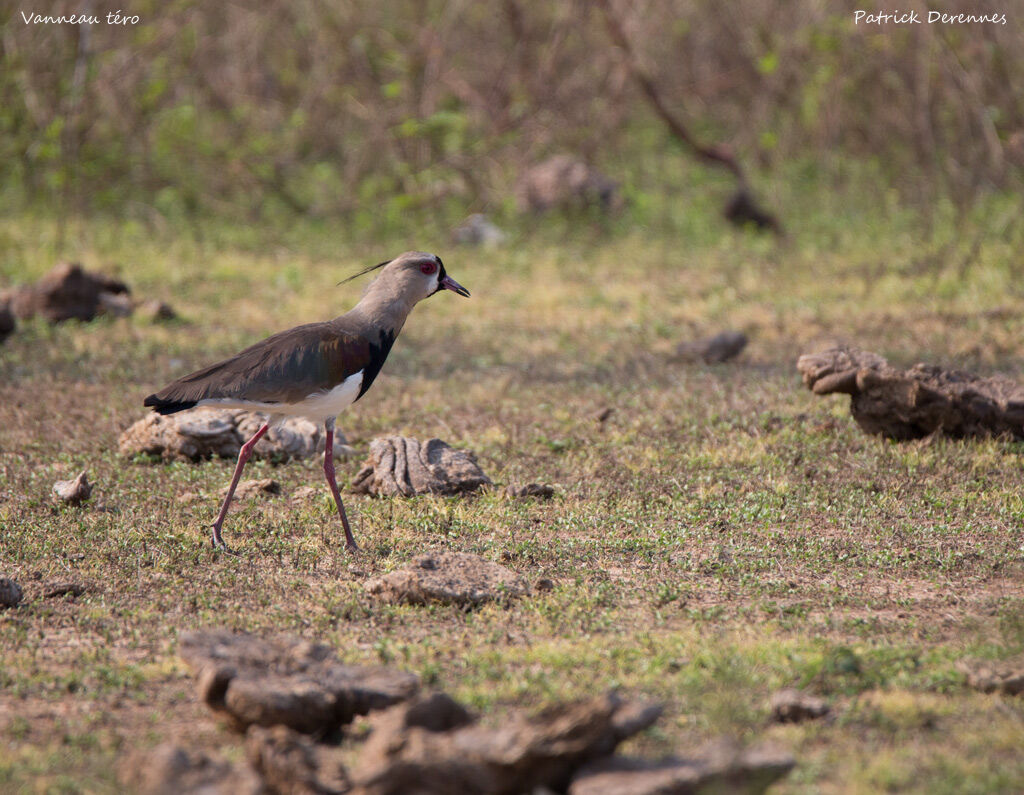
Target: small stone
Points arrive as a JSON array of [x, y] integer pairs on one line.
[[10, 592], [156, 311], [73, 492], [792, 706], [72, 589], [530, 491], [449, 578], [303, 494], [477, 230]]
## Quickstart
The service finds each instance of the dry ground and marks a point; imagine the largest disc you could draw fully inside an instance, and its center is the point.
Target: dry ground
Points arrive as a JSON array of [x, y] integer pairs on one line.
[[721, 535]]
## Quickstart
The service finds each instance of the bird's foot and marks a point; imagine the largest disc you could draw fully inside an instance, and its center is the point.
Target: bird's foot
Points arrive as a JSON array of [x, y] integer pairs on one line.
[[217, 542]]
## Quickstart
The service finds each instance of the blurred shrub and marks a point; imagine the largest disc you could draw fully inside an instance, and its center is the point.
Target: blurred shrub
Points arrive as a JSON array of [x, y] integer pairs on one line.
[[336, 109]]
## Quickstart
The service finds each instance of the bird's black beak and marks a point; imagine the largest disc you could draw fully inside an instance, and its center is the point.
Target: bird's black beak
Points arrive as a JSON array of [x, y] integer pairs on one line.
[[448, 283]]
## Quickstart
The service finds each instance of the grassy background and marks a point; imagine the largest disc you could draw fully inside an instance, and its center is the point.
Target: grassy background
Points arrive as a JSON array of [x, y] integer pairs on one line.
[[723, 534]]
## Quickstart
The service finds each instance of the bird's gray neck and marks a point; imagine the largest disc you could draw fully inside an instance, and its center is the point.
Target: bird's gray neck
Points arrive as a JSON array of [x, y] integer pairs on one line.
[[380, 310]]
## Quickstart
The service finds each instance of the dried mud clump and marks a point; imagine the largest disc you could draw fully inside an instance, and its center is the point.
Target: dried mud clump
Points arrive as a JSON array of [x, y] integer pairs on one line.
[[994, 677], [525, 752], [425, 744], [170, 769], [249, 489], [564, 182], [287, 682], [742, 210], [221, 433], [449, 578], [68, 292], [719, 768], [293, 764], [713, 350], [66, 589], [794, 706], [915, 403], [534, 491], [402, 467]]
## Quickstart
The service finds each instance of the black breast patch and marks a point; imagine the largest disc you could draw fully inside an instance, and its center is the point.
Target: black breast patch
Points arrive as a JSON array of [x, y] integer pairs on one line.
[[378, 354]]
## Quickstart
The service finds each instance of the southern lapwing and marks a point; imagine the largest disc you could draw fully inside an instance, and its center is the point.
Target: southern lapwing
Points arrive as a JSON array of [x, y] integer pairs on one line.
[[316, 370]]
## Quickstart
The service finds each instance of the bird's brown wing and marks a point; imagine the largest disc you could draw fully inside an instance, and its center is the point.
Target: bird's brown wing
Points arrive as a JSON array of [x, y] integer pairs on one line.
[[284, 368]]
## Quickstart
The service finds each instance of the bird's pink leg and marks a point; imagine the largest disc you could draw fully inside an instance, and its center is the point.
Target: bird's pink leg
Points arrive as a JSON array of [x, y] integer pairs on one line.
[[350, 541], [243, 456]]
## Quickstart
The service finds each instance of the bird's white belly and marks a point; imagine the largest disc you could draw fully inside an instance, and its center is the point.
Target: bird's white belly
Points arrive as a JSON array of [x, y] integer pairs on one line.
[[318, 406]]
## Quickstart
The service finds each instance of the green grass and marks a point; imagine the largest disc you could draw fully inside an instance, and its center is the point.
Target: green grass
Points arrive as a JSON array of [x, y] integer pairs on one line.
[[723, 534]]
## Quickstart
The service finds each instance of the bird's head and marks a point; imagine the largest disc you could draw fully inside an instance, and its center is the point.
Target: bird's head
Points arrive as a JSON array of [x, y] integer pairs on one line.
[[414, 275]]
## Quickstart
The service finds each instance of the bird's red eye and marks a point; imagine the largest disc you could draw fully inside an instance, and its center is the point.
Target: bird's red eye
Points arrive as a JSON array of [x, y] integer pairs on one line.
[[428, 268]]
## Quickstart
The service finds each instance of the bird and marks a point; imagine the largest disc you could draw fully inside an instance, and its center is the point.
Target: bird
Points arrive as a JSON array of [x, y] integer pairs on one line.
[[315, 370]]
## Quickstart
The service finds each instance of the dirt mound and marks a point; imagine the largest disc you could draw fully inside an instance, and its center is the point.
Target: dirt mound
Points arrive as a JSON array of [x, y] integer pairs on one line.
[[402, 467], [449, 578], [914, 403]]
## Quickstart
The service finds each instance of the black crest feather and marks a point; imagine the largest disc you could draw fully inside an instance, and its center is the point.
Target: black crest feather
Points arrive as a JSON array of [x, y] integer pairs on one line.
[[364, 271]]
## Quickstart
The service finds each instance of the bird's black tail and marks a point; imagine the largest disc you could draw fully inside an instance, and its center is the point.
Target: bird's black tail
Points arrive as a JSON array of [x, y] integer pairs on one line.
[[164, 406]]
